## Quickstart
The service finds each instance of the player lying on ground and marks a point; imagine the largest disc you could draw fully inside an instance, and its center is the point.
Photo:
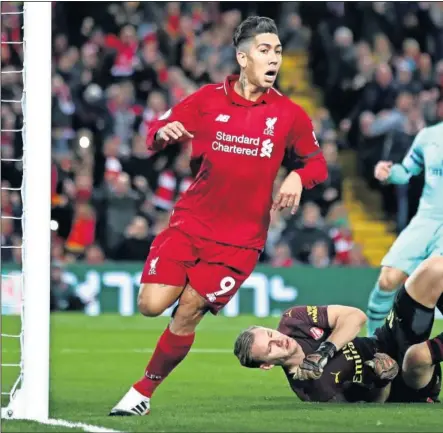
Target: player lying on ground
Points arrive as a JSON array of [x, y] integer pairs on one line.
[[423, 237], [240, 131], [325, 361]]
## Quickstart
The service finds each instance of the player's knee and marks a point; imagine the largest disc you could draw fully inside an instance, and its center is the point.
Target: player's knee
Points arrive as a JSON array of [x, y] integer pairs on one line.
[[149, 308], [154, 299], [391, 279], [149, 305], [433, 268], [417, 368], [417, 356], [427, 281]]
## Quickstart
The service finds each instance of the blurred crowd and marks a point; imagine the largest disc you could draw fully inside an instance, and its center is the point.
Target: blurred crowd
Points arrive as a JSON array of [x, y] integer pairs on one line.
[[380, 65], [117, 66]]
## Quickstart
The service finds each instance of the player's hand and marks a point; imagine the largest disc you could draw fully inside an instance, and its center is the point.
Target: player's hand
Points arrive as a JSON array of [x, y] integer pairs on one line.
[[289, 194], [316, 362], [313, 365], [301, 374], [173, 131], [382, 170], [384, 367]]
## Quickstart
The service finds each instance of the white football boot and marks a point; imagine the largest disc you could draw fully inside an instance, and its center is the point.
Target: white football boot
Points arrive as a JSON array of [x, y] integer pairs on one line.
[[133, 403]]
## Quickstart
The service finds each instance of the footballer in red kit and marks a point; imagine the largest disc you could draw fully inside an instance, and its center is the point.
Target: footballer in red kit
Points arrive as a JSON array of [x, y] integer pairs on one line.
[[240, 130]]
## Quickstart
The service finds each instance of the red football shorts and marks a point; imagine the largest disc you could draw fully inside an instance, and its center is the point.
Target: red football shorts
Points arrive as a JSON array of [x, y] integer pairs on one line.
[[216, 271]]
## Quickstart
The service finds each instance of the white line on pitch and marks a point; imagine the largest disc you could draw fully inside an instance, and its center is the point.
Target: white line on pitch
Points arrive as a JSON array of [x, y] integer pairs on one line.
[[85, 427]]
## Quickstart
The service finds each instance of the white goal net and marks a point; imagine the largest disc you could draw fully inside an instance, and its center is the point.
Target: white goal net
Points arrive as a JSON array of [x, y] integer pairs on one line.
[[25, 337]]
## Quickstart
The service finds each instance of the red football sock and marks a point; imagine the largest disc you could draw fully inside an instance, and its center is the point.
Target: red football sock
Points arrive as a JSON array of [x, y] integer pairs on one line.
[[170, 351]]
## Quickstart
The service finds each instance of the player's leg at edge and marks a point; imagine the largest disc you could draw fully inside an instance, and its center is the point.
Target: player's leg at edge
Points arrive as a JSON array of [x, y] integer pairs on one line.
[[382, 297], [425, 286], [173, 345]]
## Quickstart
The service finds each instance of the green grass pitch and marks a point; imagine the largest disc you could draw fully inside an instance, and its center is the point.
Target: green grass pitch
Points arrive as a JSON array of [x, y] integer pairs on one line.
[[94, 360]]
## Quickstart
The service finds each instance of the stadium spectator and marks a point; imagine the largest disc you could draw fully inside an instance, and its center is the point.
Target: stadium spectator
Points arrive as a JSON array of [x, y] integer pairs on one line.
[[62, 297], [136, 242], [57, 249], [356, 257], [294, 35], [319, 255], [120, 203], [307, 232], [282, 257], [340, 233], [82, 232], [94, 255]]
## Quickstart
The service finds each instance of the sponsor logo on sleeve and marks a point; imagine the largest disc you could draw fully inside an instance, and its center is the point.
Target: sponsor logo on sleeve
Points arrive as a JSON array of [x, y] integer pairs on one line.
[[153, 266]]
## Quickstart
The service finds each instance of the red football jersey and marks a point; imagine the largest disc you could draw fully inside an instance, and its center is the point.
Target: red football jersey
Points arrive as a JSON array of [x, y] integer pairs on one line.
[[240, 145]]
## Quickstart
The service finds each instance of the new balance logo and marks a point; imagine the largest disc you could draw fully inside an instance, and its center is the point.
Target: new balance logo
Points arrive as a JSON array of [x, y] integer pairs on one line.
[[266, 149], [153, 266], [222, 118]]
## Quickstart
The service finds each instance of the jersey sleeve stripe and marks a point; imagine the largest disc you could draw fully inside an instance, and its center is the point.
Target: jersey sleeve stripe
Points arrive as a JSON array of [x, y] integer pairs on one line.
[[311, 154], [417, 155], [415, 159], [406, 168]]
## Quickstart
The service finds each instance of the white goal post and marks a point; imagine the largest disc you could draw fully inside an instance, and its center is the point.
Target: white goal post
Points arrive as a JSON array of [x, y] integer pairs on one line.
[[31, 400]]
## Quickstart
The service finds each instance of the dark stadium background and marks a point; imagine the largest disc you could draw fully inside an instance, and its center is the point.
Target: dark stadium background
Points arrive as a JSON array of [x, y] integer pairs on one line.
[[369, 74]]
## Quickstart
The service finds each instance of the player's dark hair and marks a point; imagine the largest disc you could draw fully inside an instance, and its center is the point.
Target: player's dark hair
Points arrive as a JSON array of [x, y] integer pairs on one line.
[[252, 27], [242, 348]]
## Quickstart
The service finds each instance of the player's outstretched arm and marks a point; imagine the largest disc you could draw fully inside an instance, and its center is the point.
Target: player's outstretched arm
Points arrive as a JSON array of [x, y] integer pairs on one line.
[[346, 323], [387, 172], [412, 164]]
